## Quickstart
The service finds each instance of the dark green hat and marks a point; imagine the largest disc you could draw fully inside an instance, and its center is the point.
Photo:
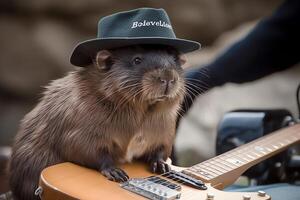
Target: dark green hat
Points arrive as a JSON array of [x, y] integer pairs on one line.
[[139, 26]]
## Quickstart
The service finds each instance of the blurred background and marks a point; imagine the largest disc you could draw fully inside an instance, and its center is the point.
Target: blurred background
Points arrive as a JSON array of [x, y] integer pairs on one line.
[[37, 37]]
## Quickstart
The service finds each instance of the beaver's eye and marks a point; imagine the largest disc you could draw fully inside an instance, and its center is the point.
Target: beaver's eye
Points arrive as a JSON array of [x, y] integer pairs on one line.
[[137, 60]]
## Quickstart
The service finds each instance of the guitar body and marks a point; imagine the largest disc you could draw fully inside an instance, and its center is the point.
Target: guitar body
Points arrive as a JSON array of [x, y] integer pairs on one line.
[[68, 181]]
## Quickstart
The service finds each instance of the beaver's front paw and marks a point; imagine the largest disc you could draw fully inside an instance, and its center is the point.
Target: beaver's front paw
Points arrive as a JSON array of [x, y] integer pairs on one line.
[[115, 174], [160, 167]]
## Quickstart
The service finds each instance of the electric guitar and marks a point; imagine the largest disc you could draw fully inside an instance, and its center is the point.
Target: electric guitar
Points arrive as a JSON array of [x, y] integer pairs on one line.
[[202, 181]]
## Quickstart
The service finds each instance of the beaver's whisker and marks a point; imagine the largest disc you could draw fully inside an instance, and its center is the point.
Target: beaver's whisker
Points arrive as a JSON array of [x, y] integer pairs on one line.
[[203, 83]]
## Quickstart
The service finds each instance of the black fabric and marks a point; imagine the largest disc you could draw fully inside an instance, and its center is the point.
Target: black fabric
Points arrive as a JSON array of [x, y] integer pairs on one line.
[[139, 26], [272, 46]]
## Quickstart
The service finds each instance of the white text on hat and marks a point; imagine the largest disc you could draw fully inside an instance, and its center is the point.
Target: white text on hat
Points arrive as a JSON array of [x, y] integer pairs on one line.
[[150, 23]]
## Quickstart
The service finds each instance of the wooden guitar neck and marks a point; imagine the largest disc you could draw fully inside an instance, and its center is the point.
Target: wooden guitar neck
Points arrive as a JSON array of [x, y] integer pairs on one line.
[[224, 169]]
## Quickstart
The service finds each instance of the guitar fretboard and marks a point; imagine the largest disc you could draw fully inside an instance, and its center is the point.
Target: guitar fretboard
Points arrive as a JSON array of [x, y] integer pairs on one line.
[[246, 155]]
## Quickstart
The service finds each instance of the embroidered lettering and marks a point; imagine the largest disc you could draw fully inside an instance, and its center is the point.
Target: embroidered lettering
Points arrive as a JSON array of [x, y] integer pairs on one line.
[[150, 23]]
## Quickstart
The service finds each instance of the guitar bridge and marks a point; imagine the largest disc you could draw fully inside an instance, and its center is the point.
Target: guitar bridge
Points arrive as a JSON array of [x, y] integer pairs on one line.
[[153, 188]]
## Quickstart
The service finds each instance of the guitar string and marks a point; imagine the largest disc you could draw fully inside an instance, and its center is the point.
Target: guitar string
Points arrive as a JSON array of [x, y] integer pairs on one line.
[[189, 194], [269, 142], [176, 180], [164, 181], [251, 147], [245, 146], [168, 176], [162, 176], [186, 194], [229, 155], [265, 143], [275, 139]]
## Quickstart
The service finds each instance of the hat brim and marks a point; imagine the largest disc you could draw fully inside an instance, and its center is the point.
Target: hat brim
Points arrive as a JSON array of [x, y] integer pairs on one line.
[[84, 52]]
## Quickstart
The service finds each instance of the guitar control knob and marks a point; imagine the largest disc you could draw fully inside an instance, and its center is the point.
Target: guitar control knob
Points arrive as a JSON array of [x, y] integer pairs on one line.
[[210, 196], [246, 197], [261, 193]]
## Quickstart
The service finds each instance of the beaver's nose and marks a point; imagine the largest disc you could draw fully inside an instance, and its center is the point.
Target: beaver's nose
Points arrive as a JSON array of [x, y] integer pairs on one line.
[[167, 81]]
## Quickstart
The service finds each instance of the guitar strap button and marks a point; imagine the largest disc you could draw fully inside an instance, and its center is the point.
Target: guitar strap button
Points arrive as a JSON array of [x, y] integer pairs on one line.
[[261, 193], [210, 196], [38, 192]]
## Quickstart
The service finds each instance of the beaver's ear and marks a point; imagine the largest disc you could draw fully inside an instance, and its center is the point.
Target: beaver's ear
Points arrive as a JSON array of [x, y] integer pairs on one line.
[[182, 59], [103, 60]]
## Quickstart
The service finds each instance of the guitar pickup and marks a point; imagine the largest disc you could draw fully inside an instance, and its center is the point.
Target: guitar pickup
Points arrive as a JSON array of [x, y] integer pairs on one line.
[[151, 189], [159, 180]]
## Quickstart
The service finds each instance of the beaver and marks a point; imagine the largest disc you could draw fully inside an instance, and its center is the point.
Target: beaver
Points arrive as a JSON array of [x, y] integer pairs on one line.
[[120, 108]]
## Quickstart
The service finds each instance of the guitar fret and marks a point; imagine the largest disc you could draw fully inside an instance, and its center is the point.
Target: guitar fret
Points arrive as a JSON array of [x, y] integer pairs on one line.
[[243, 159], [218, 168], [220, 165], [260, 149], [236, 160], [221, 161], [281, 144], [206, 170], [263, 152], [233, 160], [246, 159], [288, 141], [294, 138], [268, 149], [245, 156], [204, 173], [214, 167], [255, 154], [225, 167], [209, 170], [249, 156], [193, 173], [228, 164]]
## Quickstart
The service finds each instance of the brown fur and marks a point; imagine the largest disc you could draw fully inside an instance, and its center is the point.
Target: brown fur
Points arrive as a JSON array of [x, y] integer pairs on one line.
[[85, 117]]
